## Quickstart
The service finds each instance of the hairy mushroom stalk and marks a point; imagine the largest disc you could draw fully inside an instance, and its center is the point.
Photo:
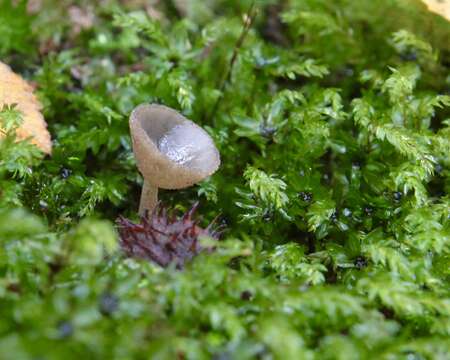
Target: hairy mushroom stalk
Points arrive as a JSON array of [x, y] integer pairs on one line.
[[171, 151]]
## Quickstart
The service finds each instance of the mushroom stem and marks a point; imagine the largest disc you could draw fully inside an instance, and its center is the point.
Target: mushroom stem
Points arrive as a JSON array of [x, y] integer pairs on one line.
[[149, 198]]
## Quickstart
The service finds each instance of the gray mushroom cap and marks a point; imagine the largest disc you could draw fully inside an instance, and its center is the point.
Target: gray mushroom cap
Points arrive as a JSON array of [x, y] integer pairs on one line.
[[171, 151]]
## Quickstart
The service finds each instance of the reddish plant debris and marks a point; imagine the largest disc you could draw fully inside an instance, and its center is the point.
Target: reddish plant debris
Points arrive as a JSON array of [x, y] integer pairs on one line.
[[81, 19], [163, 238]]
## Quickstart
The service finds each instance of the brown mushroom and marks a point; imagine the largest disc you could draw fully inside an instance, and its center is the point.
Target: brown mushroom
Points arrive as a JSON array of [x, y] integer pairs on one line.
[[171, 151]]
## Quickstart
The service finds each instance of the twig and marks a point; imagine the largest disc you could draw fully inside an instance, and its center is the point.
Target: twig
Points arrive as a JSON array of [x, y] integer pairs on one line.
[[248, 21]]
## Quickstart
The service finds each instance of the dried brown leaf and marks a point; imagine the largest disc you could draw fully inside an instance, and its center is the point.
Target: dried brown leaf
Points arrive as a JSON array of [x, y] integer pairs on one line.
[[15, 90], [441, 7]]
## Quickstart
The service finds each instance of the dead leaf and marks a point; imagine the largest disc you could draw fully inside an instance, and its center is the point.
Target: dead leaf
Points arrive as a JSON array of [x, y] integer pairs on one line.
[[34, 6], [81, 18], [441, 7], [15, 90]]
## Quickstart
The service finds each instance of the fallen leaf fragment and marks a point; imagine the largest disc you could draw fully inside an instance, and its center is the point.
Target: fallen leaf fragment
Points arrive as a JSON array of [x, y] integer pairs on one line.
[[441, 7], [81, 19], [15, 90]]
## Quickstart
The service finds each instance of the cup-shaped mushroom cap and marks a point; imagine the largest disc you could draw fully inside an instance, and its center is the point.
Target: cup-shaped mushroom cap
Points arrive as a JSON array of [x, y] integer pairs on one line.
[[171, 151]]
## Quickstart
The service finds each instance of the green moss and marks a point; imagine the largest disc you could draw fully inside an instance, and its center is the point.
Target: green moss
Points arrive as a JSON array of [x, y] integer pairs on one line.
[[332, 120]]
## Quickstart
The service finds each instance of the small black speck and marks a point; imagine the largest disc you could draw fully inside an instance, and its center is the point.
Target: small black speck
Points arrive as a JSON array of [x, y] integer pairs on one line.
[[397, 196], [360, 262], [267, 131], [267, 216], [334, 216], [305, 196], [65, 173], [408, 56], [246, 295], [65, 329], [108, 303]]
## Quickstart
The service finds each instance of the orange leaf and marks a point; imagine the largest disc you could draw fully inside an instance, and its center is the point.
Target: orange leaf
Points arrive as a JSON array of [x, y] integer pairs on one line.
[[15, 90]]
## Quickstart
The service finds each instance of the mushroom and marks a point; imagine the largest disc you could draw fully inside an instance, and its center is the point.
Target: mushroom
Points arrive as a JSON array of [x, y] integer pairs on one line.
[[171, 151]]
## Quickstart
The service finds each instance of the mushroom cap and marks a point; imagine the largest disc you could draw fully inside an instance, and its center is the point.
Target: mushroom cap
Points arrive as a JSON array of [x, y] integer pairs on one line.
[[171, 151]]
